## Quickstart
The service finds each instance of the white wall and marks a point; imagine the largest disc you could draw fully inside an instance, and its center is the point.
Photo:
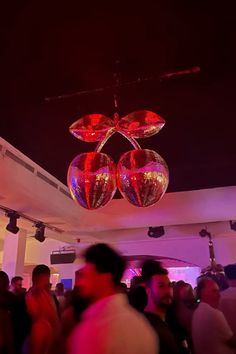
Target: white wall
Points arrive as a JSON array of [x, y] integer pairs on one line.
[[192, 250], [38, 253]]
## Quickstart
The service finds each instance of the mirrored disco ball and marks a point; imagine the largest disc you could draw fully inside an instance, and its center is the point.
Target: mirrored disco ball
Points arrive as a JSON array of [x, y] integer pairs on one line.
[[92, 179], [142, 177]]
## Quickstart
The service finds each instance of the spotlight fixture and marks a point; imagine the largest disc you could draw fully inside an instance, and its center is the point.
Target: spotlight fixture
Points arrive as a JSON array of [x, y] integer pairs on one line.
[[40, 230], [11, 226], [204, 233], [233, 225], [156, 232]]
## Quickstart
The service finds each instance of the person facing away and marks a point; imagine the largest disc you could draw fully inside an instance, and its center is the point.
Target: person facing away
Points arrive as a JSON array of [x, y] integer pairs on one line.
[[109, 325], [20, 319], [60, 295], [137, 294], [211, 333], [228, 297], [160, 297], [184, 306], [42, 310]]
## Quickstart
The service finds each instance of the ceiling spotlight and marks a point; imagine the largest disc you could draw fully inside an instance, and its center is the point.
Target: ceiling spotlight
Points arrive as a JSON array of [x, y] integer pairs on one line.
[[233, 225], [40, 230], [11, 226], [156, 232], [204, 233]]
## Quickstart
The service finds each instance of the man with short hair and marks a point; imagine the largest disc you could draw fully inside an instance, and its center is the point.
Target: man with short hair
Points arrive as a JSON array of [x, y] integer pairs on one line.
[[43, 312], [137, 294], [109, 325], [16, 285], [228, 297], [210, 331], [160, 297]]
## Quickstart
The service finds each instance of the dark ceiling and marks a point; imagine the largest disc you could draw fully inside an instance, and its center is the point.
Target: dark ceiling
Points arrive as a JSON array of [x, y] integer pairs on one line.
[[50, 48]]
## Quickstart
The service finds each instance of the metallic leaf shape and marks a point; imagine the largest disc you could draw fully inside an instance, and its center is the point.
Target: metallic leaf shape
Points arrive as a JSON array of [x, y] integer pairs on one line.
[[141, 124], [92, 127]]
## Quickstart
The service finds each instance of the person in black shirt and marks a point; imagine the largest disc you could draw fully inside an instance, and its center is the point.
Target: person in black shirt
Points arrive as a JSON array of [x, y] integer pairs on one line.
[[160, 297], [137, 294]]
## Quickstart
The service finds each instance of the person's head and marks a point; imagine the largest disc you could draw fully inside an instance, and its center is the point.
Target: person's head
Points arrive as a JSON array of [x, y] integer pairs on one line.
[[208, 291], [16, 284], [102, 273], [136, 281], [159, 289], [138, 298], [4, 281], [41, 276], [183, 292], [149, 267], [60, 289], [230, 272]]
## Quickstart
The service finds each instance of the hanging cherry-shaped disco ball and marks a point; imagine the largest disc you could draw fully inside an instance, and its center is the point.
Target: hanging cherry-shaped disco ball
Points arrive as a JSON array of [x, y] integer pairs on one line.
[[142, 177], [92, 179]]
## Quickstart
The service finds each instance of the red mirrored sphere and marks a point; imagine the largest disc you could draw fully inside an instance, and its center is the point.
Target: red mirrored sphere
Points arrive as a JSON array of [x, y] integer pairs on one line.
[[142, 177], [92, 127], [92, 179], [141, 124]]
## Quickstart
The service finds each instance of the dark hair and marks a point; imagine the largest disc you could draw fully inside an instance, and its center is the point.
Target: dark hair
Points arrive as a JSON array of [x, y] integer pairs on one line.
[[15, 279], [156, 269], [149, 267], [60, 286], [106, 260], [138, 298], [230, 271], [135, 281], [4, 280], [39, 270]]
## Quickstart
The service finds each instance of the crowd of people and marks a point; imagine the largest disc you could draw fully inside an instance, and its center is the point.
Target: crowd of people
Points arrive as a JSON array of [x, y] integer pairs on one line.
[[101, 316]]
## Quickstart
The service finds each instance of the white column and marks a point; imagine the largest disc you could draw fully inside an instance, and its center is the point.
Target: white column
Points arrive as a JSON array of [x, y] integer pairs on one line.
[[14, 253]]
